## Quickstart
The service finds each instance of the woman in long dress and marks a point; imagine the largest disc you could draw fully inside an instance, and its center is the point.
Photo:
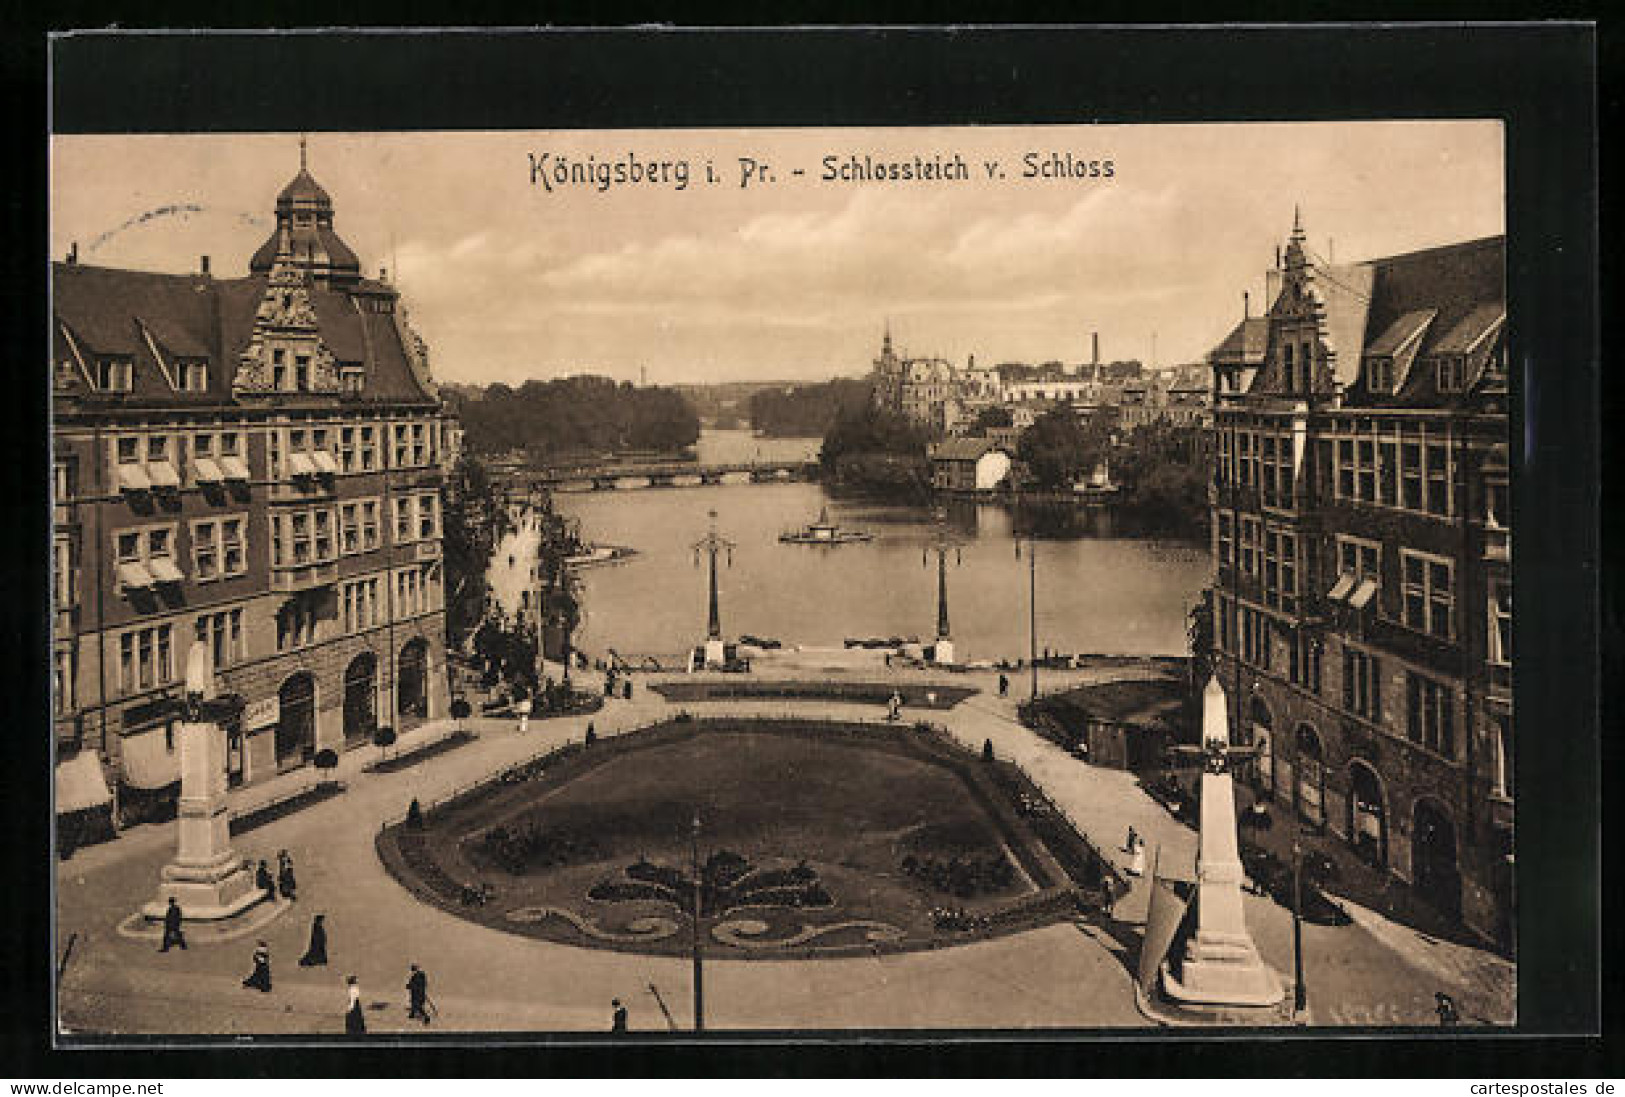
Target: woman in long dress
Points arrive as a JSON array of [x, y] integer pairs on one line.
[[260, 978], [355, 1022], [316, 954]]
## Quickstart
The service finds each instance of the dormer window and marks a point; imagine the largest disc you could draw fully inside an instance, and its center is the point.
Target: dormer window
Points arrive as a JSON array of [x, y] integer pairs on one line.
[[1380, 375], [352, 380], [1452, 369], [301, 373], [192, 375]]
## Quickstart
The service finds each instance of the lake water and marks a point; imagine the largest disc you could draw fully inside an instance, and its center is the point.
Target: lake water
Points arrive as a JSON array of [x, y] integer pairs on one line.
[[1096, 592]]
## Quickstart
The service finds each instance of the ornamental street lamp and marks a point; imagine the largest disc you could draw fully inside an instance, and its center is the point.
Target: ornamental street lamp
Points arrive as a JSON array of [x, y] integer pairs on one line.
[[712, 544], [699, 972], [942, 543], [1032, 603]]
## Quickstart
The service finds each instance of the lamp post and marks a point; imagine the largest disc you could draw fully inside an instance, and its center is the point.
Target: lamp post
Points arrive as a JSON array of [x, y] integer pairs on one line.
[[942, 543], [711, 544], [1032, 602], [1300, 992], [699, 971]]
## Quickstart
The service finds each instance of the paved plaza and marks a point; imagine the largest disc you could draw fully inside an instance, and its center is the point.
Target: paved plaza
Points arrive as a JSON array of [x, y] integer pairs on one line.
[[1371, 972]]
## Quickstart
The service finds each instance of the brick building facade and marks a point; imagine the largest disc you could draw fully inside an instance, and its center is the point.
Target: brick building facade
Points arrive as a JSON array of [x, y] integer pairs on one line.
[[1362, 546], [254, 464]]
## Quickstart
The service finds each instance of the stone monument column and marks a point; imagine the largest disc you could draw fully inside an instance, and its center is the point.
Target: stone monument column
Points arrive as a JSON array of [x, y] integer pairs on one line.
[[206, 877], [1221, 965]]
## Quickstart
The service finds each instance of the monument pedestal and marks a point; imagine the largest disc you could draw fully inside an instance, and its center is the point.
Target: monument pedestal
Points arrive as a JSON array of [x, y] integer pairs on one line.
[[207, 878], [1221, 965], [716, 655], [943, 651]]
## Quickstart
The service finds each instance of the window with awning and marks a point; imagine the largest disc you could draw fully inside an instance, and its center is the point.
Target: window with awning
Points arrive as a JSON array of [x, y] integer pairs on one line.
[[133, 478], [324, 462], [234, 468], [163, 570], [163, 474], [206, 471], [133, 575], [80, 784], [300, 464]]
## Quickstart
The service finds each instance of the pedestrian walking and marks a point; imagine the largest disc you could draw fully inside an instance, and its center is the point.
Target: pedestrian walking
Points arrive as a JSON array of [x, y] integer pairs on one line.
[[172, 926], [1136, 864], [414, 815], [1445, 1007], [284, 876], [523, 709], [355, 1021], [626, 689], [1004, 685], [316, 954], [263, 881], [894, 706], [1131, 841], [417, 994], [618, 1018], [260, 978]]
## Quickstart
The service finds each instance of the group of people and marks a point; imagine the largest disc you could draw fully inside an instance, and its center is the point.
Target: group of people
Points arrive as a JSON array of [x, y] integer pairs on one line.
[[283, 882]]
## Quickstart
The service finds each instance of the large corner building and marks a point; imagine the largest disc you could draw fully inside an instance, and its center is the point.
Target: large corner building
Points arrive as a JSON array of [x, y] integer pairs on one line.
[[254, 464], [1362, 541]]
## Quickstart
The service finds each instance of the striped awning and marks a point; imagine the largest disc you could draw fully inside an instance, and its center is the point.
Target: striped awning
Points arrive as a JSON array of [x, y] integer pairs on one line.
[[134, 575], [133, 478], [147, 760], [163, 474], [324, 462], [1364, 591], [164, 570], [205, 471], [1341, 588], [300, 464], [234, 468]]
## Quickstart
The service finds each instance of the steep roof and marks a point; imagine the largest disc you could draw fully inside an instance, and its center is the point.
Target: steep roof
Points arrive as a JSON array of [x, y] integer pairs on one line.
[[1245, 345], [1461, 286], [191, 315]]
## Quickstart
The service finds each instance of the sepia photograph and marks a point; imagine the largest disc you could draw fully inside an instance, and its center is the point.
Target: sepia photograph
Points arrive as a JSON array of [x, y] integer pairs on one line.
[[1014, 578]]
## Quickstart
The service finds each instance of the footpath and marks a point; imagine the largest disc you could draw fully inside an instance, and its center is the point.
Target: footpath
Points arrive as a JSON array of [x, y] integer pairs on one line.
[[1369, 972]]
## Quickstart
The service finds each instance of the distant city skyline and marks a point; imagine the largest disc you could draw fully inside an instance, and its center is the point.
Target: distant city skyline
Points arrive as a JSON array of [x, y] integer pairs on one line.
[[795, 279]]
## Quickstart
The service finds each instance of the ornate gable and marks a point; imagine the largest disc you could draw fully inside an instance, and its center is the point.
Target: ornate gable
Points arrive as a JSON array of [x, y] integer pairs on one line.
[[286, 336]]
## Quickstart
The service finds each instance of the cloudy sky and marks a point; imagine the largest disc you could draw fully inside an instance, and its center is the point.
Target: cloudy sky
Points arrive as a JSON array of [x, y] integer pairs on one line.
[[794, 278]]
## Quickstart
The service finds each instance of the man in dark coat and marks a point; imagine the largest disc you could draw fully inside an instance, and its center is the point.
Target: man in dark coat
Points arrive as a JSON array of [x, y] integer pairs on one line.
[[172, 926], [618, 1021], [260, 978], [417, 992], [284, 875], [263, 881]]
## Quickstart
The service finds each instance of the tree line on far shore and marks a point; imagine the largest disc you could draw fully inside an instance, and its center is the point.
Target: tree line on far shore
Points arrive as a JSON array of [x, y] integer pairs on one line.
[[573, 415]]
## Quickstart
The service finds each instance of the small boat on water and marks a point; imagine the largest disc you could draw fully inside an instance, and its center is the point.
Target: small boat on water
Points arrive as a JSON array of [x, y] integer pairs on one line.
[[823, 532], [599, 554]]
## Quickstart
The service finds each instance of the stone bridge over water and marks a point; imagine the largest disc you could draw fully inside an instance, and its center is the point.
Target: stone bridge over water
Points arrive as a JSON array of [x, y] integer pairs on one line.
[[666, 474]]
